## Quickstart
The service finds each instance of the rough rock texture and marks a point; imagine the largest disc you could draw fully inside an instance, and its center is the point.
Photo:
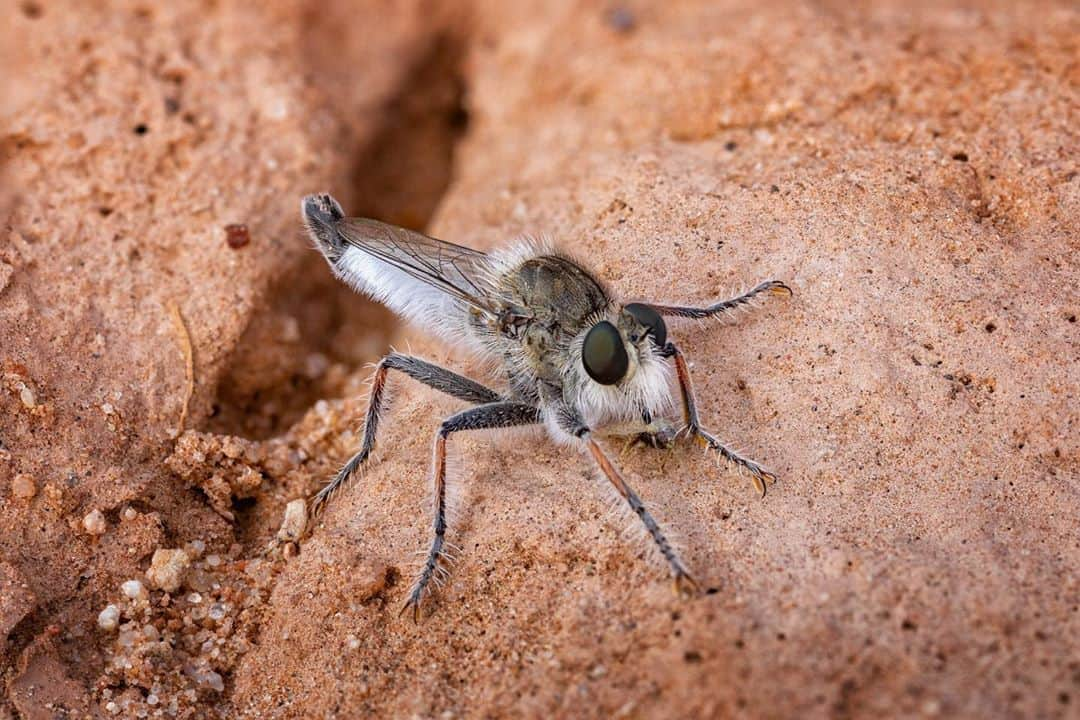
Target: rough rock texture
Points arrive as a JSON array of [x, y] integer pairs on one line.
[[912, 173]]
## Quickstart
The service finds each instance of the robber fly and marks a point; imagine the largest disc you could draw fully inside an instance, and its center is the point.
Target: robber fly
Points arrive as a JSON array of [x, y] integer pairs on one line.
[[577, 360]]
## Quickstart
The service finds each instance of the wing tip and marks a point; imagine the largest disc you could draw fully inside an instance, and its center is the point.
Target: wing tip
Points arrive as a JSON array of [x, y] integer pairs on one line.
[[321, 212]]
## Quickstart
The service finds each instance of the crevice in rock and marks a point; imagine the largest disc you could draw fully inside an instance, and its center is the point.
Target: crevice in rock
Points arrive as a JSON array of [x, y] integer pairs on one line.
[[316, 331], [401, 175]]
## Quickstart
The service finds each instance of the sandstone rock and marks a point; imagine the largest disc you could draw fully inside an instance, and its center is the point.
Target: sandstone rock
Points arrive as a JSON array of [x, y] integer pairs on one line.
[[910, 171]]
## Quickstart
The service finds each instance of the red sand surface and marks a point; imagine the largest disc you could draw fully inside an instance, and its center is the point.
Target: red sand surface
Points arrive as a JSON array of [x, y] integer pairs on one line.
[[165, 384]]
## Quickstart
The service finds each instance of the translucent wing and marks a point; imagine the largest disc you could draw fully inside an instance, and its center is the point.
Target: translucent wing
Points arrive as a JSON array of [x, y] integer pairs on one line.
[[453, 269], [428, 281]]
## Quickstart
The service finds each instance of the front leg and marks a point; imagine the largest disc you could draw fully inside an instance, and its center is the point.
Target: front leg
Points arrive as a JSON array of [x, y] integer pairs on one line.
[[573, 425], [724, 307], [704, 438]]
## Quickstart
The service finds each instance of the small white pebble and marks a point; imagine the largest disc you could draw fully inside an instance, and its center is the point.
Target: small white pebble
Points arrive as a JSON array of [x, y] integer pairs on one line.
[[213, 560], [216, 612], [112, 707], [94, 523], [194, 598], [107, 408], [352, 642], [133, 590], [151, 699], [130, 513], [214, 681], [27, 396], [109, 618], [292, 527]]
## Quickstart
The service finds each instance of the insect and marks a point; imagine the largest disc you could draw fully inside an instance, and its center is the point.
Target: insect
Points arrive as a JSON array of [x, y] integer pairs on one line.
[[576, 360]]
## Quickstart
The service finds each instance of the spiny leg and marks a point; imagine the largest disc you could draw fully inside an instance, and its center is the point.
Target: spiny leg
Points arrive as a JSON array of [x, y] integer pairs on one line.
[[684, 582], [704, 438], [773, 287], [431, 375], [484, 417]]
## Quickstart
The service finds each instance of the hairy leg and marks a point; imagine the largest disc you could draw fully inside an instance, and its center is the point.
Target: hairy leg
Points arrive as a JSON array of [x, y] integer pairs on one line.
[[431, 375], [773, 287], [572, 424], [483, 417], [684, 582], [703, 437]]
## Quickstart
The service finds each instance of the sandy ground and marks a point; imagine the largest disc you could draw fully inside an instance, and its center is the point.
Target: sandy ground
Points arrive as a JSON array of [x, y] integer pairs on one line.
[[170, 382]]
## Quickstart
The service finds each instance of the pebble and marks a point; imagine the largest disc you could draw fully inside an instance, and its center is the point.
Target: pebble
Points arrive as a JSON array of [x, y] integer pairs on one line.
[[27, 397], [109, 618], [167, 569], [196, 548], [292, 527], [94, 523], [133, 590], [207, 678], [23, 486]]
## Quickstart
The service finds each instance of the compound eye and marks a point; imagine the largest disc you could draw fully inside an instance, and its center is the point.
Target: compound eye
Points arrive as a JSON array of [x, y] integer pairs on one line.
[[604, 354], [647, 317]]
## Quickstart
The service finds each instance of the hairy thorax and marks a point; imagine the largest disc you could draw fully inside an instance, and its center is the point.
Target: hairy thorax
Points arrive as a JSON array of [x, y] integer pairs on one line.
[[550, 300]]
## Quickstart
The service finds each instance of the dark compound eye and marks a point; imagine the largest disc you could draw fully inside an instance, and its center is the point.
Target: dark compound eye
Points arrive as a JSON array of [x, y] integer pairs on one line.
[[647, 316], [604, 355]]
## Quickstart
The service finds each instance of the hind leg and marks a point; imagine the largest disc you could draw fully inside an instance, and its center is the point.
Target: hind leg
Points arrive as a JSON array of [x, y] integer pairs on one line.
[[433, 376], [483, 417]]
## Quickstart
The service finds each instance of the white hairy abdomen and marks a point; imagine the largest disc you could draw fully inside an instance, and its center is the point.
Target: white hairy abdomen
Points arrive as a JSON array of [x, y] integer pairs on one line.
[[410, 298]]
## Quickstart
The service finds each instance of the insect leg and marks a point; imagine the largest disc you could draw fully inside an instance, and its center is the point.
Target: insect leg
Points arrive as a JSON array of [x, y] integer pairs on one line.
[[488, 416], [703, 437], [773, 287], [684, 582], [431, 375]]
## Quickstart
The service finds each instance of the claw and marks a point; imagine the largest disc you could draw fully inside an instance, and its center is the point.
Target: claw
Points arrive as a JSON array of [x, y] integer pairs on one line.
[[414, 603], [686, 586], [759, 484], [780, 288], [762, 478]]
